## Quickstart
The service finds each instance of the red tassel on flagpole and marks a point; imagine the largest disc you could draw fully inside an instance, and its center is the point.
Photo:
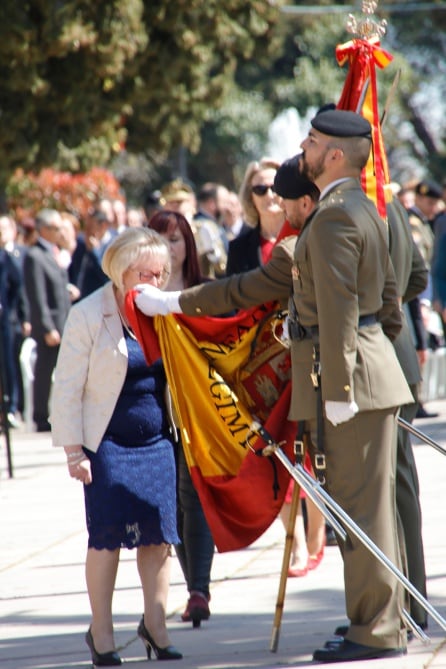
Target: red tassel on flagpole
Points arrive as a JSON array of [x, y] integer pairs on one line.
[[359, 94]]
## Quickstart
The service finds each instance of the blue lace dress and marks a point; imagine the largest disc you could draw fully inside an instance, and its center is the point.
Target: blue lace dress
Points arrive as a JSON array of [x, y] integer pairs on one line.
[[132, 499]]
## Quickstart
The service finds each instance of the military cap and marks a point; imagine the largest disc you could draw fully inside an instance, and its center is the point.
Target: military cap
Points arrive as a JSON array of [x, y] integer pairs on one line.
[[341, 123], [326, 107], [290, 183], [429, 189], [175, 191]]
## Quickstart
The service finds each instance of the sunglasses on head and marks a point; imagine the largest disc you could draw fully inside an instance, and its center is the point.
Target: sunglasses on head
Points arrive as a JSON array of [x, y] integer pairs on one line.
[[262, 189]]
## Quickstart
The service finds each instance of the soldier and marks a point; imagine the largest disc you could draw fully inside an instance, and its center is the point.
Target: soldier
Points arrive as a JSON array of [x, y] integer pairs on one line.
[[422, 215], [411, 277], [345, 297]]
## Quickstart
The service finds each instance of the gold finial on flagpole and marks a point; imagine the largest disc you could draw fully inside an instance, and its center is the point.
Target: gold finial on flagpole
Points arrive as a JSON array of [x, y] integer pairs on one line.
[[367, 27]]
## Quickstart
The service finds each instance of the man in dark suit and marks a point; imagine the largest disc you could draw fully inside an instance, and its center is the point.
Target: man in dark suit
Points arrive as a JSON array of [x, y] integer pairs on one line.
[[14, 315], [49, 301], [344, 292], [89, 252]]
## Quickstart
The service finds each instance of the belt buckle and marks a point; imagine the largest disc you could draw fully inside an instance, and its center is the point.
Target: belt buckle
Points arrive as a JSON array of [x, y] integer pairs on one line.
[[319, 467], [299, 450]]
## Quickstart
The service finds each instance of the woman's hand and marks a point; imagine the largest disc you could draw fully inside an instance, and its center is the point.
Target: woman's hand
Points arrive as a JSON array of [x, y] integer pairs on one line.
[[79, 466]]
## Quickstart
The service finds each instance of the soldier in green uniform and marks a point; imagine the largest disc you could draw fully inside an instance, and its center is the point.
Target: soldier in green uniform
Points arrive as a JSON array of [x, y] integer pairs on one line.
[[345, 296]]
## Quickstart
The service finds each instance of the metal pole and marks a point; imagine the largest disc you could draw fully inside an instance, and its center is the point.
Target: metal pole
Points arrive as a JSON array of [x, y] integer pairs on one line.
[[356, 530], [308, 483], [423, 437]]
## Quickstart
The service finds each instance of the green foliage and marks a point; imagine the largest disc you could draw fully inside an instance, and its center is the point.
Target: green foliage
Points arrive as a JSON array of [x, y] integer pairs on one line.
[[420, 37], [81, 79], [59, 63], [188, 66], [234, 135]]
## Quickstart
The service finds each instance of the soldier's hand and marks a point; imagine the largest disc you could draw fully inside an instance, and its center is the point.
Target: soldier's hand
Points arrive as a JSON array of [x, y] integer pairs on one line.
[[152, 301], [340, 412]]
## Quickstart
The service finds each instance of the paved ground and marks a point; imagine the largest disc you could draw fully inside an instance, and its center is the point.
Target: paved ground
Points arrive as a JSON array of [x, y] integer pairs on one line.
[[44, 610]]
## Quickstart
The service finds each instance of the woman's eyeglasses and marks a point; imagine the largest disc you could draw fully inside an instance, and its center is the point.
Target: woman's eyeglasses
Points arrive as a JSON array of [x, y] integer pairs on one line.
[[262, 189], [153, 276]]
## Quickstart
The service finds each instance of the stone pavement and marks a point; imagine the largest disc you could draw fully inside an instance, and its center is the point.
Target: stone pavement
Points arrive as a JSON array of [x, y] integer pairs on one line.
[[44, 609]]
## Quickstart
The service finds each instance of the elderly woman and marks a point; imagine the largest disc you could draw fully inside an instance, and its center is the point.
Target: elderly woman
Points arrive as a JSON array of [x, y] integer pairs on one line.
[[109, 414], [263, 215]]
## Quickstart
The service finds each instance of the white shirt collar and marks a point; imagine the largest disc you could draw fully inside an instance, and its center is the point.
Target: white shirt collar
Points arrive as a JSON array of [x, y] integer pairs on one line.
[[332, 185]]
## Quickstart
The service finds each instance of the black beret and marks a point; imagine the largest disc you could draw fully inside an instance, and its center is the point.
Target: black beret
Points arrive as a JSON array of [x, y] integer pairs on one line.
[[430, 189], [341, 123], [291, 184], [326, 107]]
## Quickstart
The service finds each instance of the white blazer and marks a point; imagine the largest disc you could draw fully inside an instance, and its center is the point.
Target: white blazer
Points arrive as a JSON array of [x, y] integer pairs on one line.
[[90, 371]]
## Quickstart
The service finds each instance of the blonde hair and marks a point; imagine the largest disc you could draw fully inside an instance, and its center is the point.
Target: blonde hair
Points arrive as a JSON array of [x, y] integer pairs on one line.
[[128, 248], [251, 215]]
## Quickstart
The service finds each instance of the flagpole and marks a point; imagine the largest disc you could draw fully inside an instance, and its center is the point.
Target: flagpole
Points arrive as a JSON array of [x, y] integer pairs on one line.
[[285, 566], [313, 488]]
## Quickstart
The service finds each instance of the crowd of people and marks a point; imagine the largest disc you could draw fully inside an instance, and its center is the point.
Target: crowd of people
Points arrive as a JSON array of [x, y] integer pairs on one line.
[[360, 297]]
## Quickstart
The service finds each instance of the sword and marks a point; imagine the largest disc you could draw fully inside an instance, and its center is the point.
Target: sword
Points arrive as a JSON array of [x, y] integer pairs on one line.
[[310, 485], [423, 437]]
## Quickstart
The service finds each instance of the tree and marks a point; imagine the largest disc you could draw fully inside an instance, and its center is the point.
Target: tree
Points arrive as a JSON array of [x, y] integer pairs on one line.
[[59, 64], [418, 118], [188, 66], [415, 130], [80, 78]]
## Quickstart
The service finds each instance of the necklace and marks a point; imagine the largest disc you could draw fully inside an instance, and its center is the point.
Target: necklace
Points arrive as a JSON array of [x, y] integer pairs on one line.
[[126, 327]]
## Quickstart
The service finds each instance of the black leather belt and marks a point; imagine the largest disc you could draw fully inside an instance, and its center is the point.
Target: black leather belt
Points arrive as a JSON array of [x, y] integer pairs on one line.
[[368, 319], [298, 332]]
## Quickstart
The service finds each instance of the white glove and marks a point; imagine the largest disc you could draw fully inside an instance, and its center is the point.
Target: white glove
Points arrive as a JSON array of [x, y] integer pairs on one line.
[[152, 301], [340, 412]]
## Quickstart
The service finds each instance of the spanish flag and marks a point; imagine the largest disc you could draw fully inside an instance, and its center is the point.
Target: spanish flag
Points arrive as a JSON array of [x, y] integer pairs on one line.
[[223, 373], [360, 95]]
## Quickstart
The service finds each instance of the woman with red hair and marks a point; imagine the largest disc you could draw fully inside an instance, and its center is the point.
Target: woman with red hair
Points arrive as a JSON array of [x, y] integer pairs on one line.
[[196, 550]]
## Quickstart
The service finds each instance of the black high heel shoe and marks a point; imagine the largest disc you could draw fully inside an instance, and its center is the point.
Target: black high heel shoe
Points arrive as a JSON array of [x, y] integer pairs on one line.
[[110, 659], [166, 653]]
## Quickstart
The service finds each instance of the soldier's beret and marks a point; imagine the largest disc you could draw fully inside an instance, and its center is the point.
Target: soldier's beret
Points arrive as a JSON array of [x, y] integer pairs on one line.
[[290, 184], [341, 123], [430, 189]]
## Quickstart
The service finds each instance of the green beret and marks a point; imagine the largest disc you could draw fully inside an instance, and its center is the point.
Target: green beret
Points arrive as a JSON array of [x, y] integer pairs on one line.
[[289, 182], [341, 123]]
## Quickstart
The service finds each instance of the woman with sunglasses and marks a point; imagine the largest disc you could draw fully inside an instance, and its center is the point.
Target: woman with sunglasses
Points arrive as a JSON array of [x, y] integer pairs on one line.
[[263, 215], [109, 413]]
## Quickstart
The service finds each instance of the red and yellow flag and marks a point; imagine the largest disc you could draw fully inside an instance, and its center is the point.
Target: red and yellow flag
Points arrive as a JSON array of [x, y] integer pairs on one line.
[[360, 95], [223, 373]]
